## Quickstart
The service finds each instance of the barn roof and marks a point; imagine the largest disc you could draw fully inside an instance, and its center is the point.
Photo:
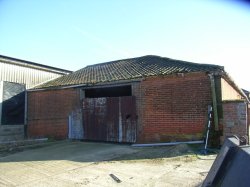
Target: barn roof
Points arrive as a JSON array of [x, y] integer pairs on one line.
[[128, 69]]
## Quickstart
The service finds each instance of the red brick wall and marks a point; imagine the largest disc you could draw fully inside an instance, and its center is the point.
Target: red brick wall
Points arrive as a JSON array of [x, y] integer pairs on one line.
[[48, 112], [234, 119], [172, 108]]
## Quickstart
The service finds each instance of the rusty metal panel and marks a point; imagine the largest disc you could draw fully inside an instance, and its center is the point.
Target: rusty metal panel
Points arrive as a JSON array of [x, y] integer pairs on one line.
[[94, 113], [129, 119], [110, 119]]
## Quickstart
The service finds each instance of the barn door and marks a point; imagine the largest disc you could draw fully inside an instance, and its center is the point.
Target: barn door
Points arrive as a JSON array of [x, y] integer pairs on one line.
[[110, 119]]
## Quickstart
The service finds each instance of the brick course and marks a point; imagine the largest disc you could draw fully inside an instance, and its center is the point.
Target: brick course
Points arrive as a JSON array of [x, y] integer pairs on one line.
[[48, 112], [173, 108], [234, 119]]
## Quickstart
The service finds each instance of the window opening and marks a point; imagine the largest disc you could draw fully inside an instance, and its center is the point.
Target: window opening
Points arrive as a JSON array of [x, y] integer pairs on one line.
[[117, 91]]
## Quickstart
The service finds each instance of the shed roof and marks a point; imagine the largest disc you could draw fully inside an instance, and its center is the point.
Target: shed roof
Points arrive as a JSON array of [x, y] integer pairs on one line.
[[127, 69], [33, 65]]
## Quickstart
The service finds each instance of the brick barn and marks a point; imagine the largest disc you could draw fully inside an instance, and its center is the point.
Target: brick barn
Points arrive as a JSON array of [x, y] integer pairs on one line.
[[145, 99]]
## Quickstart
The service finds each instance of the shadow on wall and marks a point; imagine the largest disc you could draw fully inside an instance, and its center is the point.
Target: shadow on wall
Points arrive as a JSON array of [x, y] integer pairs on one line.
[[13, 103], [13, 110]]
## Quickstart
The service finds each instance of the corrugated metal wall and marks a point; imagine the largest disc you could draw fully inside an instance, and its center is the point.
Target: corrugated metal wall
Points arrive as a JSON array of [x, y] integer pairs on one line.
[[25, 75]]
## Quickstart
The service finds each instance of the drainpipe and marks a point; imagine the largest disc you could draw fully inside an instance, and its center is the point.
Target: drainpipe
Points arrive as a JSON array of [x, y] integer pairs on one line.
[[211, 76]]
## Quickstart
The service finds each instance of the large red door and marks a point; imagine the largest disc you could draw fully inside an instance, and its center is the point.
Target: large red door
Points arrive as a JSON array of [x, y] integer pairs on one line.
[[111, 119]]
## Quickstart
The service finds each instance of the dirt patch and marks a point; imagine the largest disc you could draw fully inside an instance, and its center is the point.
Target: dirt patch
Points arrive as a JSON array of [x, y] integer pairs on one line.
[[160, 152]]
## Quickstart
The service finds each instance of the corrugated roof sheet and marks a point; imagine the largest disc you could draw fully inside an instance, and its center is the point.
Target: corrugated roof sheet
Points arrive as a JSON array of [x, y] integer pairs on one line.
[[127, 69], [25, 63]]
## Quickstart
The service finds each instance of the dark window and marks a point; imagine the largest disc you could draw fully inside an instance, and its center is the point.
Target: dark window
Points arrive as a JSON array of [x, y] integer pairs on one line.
[[118, 91]]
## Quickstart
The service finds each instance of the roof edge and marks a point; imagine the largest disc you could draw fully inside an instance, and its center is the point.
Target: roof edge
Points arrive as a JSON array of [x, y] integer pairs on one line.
[[86, 85], [230, 80], [33, 65]]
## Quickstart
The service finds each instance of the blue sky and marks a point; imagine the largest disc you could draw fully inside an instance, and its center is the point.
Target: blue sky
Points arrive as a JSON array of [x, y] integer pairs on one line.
[[73, 34]]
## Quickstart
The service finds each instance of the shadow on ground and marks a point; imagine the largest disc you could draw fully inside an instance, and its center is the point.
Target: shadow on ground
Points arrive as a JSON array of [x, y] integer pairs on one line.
[[96, 152]]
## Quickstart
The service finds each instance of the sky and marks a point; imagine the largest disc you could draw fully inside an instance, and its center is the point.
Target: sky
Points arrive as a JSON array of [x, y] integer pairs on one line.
[[71, 34]]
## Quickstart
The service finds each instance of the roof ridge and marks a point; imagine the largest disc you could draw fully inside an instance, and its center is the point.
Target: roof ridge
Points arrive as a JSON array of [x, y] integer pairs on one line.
[[154, 56], [125, 59], [130, 68]]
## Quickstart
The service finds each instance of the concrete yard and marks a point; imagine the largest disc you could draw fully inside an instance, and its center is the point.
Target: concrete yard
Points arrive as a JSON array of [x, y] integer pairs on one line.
[[68, 163]]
